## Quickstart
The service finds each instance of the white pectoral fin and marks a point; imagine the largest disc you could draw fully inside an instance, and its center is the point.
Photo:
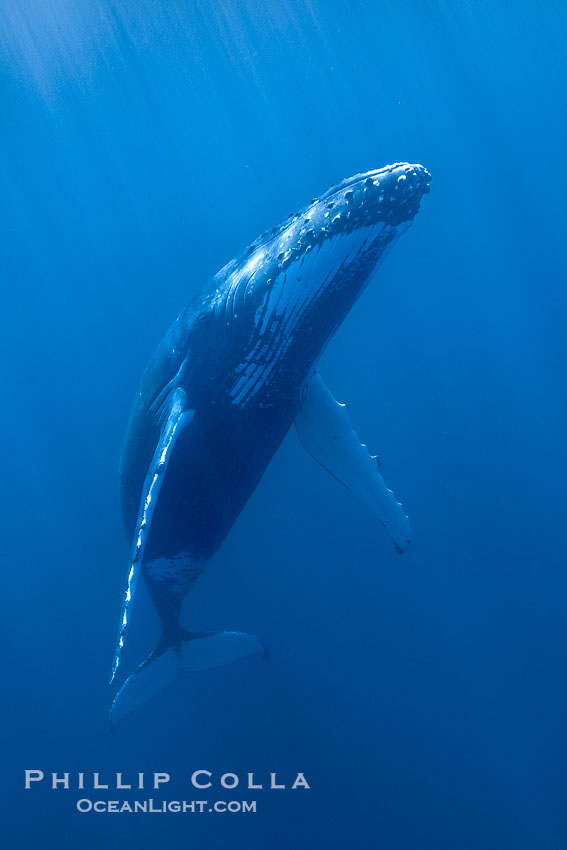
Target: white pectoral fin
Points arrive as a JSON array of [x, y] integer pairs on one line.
[[176, 416], [325, 429]]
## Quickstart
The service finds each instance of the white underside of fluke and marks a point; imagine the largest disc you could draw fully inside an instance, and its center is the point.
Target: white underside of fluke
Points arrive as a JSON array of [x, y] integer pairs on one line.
[[202, 652]]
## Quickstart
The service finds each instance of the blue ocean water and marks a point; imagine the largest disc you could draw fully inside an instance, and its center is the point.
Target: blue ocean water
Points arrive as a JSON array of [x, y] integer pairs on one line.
[[143, 144]]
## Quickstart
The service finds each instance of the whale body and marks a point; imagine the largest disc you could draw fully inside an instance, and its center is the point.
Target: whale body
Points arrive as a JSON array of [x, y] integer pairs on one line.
[[234, 372]]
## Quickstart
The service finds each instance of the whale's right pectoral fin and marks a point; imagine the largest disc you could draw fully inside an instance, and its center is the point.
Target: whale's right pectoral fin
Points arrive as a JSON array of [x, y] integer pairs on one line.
[[325, 429], [184, 652], [174, 416]]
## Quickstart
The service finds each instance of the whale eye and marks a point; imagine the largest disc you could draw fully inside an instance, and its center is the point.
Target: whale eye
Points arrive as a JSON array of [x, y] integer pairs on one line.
[[330, 205]]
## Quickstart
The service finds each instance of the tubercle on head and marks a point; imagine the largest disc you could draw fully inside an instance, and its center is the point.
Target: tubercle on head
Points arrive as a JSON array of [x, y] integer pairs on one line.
[[390, 195]]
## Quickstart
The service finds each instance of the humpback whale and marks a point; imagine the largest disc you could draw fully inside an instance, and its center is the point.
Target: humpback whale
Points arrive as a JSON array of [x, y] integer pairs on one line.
[[235, 370]]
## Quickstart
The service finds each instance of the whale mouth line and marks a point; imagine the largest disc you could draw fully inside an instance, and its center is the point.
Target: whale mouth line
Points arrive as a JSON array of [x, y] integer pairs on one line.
[[391, 195]]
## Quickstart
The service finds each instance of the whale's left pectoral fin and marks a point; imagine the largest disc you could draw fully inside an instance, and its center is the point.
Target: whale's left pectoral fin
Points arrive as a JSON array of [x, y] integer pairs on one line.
[[174, 416], [325, 429]]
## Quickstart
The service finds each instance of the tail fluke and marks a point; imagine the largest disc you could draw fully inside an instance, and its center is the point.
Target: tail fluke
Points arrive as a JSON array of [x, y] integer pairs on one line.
[[189, 653]]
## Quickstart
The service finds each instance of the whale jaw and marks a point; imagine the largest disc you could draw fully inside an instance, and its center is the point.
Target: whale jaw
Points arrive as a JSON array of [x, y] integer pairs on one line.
[[389, 195]]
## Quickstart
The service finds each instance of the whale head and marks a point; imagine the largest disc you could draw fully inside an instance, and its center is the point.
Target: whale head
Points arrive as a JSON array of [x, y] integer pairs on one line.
[[389, 196], [336, 241], [362, 216], [289, 291], [385, 197]]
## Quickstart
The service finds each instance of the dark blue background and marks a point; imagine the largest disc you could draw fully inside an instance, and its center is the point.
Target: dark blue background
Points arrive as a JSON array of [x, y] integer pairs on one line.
[[145, 142]]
